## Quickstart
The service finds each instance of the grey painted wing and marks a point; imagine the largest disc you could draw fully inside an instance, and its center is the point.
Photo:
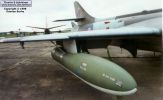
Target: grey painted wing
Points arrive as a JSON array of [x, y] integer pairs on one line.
[[125, 32]]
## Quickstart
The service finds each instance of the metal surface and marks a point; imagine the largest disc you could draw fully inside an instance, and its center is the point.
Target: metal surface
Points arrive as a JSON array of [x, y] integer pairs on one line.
[[99, 73]]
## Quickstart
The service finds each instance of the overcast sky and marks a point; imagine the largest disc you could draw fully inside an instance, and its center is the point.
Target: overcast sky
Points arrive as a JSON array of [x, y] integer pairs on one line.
[[61, 9]]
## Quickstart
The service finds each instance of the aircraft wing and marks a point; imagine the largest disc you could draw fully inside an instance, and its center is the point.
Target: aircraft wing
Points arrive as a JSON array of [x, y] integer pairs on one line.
[[11, 40], [56, 26], [120, 33], [72, 19], [36, 27]]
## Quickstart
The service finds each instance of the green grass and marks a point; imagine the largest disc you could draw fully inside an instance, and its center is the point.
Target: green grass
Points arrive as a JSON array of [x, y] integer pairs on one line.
[[7, 35]]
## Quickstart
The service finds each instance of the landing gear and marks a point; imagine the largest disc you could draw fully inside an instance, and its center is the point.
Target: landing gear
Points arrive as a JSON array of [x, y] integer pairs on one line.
[[134, 53], [109, 57], [81, 47], [154, 53], [131, 46], [53, 42]]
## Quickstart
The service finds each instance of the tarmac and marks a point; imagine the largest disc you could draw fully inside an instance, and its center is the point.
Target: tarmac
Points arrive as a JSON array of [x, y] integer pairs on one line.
[[32, 74]]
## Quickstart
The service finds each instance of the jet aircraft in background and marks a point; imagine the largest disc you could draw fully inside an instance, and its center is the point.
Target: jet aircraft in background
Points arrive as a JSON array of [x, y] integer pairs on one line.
[[134, 31], [47, 29]]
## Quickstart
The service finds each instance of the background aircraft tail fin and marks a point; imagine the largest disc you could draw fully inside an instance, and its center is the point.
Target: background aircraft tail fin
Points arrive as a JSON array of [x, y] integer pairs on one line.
[[81, 13]]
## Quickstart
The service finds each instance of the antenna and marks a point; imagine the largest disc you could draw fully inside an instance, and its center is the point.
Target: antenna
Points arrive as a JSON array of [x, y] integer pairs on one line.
[[46, 23]]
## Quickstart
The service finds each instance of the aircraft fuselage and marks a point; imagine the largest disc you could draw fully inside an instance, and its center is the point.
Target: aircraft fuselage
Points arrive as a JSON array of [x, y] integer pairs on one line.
[[143, 19]]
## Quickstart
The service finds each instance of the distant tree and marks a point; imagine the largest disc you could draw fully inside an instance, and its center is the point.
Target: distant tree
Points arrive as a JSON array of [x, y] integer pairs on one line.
[[34, 33], [11, 32]]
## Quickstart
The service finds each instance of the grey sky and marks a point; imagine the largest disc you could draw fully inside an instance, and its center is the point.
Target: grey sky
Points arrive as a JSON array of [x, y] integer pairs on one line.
[[60, 9]]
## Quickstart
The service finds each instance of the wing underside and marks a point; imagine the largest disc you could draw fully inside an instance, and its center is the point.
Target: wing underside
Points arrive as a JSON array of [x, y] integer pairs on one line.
[[120, 33]]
